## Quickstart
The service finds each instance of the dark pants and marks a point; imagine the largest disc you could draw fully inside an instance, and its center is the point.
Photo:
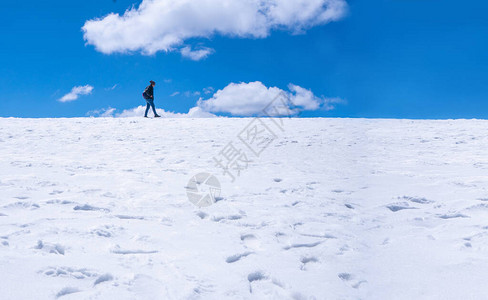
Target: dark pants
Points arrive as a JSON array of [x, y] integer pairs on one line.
[[150, 103]]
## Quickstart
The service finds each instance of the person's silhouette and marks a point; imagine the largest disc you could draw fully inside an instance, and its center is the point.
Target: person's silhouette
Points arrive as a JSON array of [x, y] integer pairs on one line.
[[149, 97]]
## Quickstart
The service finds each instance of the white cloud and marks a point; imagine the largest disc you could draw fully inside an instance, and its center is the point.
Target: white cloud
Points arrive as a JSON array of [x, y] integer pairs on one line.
[[208, 90], [197, 112], [194, 112], [248, 99], [329, 103], [103, 113], [76, 92], [195, 54], [112, 88], [165, 25], [191, 94], [304, 98], [242, 99]]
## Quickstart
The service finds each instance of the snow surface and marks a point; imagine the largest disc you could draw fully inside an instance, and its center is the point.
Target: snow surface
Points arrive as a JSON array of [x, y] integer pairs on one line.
[[96, 208]]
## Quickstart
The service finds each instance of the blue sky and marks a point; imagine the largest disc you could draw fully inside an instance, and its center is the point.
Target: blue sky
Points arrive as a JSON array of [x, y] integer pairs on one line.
[[385, 59]]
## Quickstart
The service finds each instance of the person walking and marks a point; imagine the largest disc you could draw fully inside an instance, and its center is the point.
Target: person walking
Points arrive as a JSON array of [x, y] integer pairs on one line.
[[149, 97]]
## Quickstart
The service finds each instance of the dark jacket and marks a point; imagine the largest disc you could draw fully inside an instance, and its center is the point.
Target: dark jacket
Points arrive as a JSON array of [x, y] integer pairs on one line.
[[149, 92]]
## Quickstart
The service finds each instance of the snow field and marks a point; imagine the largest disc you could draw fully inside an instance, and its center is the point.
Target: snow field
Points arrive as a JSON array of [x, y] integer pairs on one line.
[[96, 208]]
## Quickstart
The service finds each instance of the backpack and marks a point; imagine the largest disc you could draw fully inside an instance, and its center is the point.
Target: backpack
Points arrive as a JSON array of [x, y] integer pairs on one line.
[[144, 95]]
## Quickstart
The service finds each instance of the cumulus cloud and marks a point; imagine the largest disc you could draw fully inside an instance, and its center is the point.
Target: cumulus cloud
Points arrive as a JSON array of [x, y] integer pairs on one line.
[[165, 25], [304, 98], [254, 98], [76, 92], [240, 99], [243, 100], [194, 112]]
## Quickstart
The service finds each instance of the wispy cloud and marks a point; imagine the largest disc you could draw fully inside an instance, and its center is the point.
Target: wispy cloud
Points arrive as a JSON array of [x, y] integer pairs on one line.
[[331, 102], [112, 88], [192, 94], [103, 113], [208, 90], [76, 92], [196, 55]]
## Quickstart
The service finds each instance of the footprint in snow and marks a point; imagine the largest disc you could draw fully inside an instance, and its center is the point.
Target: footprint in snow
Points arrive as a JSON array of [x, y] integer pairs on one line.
[[419, 200], [255, 276], [66, 291], [358, 284], [50, 248], [91, 191], [202, 215], [452, 216], [167, 221], [346, 277], [102, 233], [309, 245], [103, 278], [109, 195], [481, 206], [88, 207], [126, 217], [23, 205], [250, 241], [306, 260], [394, 207], [68, 272], [57, 201], [118, 250], [246, 237], [237, 257], [230, 218]]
